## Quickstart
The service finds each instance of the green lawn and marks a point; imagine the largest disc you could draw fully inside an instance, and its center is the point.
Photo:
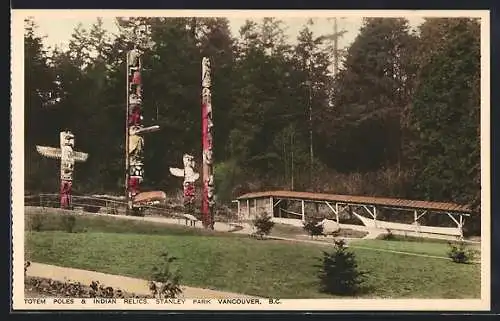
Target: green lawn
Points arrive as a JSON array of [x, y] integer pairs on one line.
[[238, 264], [109, 224], [422, 247]]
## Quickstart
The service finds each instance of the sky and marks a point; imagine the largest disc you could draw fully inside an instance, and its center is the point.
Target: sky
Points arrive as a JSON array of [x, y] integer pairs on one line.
[[57, 30]]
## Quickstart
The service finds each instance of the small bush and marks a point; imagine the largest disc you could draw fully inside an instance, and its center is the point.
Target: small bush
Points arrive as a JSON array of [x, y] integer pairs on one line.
[[165, 283], [52, 288], [36, 222], [389, 236], [263, 224], [68, 223], [459, 253], [312, 228], [339, 272]]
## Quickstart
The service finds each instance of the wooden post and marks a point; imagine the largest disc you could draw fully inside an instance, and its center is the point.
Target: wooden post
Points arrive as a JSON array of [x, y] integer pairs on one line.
[[303, 211], [461, 226]]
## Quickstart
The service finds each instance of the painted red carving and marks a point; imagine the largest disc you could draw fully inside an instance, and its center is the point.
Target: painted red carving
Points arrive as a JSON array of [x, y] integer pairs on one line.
[[65, 193], [133, 185], [136, 78], [189, 191], [135, 116]]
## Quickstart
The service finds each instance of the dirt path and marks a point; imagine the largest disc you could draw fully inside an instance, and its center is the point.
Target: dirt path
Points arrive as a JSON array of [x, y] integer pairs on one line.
[[128, 284]]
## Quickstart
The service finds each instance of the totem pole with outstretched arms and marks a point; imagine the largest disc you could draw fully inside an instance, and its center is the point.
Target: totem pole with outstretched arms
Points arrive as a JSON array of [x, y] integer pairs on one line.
[[190, 177], [68, 157]]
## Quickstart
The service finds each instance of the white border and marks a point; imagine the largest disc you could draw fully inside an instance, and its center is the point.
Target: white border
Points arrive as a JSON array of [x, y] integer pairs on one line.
[[17, 108]]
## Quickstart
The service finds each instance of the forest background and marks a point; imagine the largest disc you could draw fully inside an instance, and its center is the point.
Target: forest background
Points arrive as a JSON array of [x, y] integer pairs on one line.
[[397, 117]]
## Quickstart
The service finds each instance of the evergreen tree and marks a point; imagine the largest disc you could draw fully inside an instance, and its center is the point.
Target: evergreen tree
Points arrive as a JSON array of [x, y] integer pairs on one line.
[[373, 89], [41, 97], [445, 119]]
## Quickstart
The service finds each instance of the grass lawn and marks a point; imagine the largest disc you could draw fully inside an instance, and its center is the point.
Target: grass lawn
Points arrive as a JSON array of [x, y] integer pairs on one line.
[[422, 247], [237, 263], [110, 224]]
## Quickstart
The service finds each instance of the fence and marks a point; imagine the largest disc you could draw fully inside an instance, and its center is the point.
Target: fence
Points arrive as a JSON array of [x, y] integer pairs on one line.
[[112, 205], [95, 205]]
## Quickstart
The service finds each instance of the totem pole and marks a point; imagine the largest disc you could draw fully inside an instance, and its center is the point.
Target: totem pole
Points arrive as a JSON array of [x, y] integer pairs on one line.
[[208, 201], [68, 157], [134, 147], [190, 176]]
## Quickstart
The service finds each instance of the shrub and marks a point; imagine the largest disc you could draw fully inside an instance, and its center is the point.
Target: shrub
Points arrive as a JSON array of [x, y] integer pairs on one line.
[[53, 288], [339, 272], [389, 236], [68, 223], [312, 228], [263, 224], [97, 290], [165, 283], [459, 253]]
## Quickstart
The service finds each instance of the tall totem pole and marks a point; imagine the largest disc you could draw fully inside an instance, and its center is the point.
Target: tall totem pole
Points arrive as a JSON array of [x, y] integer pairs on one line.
[[208, 201], [134, 147]]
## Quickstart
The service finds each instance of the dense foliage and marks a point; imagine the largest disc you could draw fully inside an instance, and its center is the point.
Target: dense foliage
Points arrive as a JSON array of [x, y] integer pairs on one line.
[[401, 118]]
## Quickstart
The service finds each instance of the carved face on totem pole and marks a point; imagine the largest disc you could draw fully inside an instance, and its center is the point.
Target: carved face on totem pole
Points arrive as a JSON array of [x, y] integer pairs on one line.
[[67, 141], [207, 156], [134, 57], [210, 190], [134, 99], [190, 176], [136, 152], [206, 82]]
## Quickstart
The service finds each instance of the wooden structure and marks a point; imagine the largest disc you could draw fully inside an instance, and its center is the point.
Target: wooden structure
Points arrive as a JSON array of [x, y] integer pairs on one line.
[[68, 156], [190, 177], [134, 129], [269, 200]]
